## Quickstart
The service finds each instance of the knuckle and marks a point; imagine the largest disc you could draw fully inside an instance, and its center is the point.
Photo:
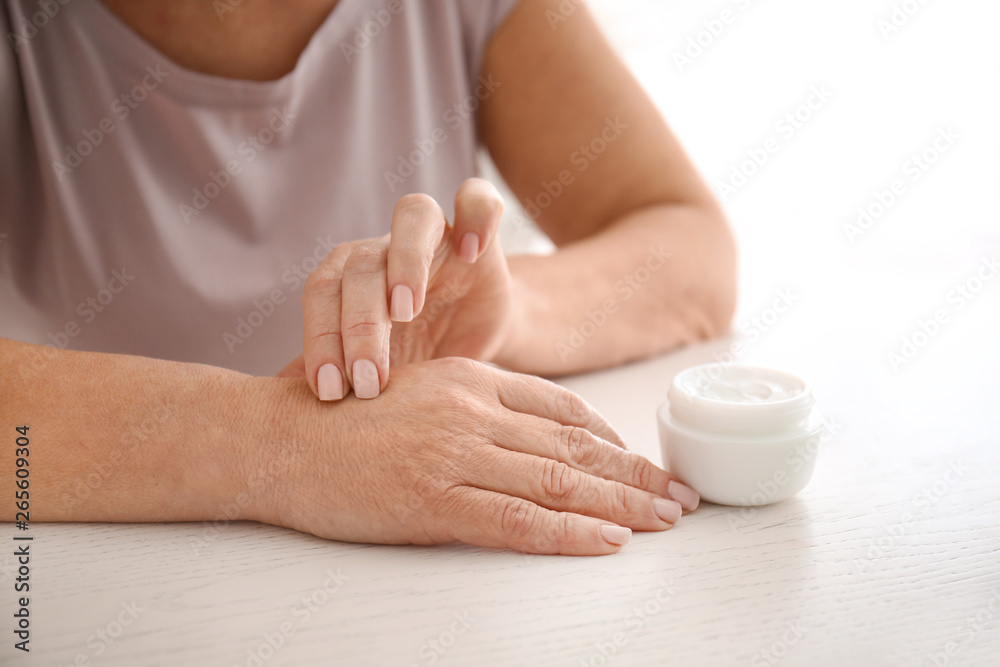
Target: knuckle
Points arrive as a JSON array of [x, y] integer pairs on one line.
[[412, 261], [641, 471], [579, 446], [458, 364], [470, 383], [456, 401], [623, 499], [363, 324], [320, 283], [549, 537], [332, 339], [559, 481], [336, 257], [417, 200], [408, 256], [445, 495], [366, 258], [571, 407], [517, 519]]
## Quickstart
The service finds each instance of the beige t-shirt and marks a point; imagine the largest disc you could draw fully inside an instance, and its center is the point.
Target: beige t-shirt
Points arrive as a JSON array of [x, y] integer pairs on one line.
[[148, 209]]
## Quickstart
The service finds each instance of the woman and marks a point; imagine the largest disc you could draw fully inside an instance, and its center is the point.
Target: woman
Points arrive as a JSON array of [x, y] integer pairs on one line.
[[177, 177]]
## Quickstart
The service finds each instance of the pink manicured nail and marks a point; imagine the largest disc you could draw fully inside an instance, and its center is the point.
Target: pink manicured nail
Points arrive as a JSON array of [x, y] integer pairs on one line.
[[616, 535], [401, 305], [330, 383], [667, 510], [685, 495], [469, 250], [365, 379]]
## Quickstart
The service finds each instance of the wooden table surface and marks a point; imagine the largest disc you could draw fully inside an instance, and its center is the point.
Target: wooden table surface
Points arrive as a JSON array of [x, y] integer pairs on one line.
[[891, 556]]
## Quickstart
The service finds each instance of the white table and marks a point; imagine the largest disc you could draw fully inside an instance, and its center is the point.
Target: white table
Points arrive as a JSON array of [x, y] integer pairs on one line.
[[889, 556], [839, 575]]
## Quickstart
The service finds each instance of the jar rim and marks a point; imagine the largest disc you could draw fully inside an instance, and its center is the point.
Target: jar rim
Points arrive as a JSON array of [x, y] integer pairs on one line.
[[797, 396]]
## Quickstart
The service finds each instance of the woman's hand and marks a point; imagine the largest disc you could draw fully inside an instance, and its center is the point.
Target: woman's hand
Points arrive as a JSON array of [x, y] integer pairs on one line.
[[455, 450], [447, 290]]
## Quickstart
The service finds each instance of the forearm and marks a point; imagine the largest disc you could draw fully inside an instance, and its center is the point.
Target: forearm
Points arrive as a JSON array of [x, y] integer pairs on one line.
[[655, 279], [121, 438]]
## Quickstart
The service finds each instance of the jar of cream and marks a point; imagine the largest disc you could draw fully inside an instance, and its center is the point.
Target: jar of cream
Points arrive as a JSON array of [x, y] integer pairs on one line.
[[740, 435]]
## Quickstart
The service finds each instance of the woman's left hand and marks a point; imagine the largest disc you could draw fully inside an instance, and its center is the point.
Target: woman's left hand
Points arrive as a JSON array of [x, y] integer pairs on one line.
[[424, 291]]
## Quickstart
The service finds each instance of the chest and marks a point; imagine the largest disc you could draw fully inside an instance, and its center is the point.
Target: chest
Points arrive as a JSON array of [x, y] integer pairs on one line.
[[258, 40]]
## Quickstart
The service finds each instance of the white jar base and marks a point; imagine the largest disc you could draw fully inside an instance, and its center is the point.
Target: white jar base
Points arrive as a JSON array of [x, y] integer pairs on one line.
[[740, 470]]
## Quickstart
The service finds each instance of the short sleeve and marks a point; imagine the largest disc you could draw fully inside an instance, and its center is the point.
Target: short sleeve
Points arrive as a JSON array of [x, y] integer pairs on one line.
[[481, 19], [15, 132]]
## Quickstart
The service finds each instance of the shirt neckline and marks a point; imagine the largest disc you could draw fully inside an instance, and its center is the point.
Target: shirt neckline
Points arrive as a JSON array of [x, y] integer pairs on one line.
[[132, 51]]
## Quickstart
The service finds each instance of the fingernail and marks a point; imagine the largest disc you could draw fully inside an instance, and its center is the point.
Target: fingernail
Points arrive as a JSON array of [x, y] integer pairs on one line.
[[365, 379], [667, 510], [616, 535], [685, 495], [330, 383], [469, 250], [401, 304]]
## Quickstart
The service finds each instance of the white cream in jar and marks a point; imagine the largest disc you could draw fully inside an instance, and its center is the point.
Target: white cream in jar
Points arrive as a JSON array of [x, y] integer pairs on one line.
[[740, 435]]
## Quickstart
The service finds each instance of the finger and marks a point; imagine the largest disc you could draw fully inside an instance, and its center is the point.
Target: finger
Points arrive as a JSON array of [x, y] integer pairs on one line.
[[580, 449], [478, 209], [489, 519], [365, 319], [322, 342], [557, 486], [534, 396], [418, 228]]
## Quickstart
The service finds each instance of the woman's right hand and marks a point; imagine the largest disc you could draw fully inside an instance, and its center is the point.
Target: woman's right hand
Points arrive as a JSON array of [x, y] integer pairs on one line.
[[459, 451]]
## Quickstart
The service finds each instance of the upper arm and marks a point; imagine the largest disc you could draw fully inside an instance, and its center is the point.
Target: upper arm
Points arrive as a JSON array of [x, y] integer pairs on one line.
[[567, 105]]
